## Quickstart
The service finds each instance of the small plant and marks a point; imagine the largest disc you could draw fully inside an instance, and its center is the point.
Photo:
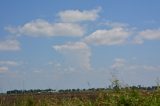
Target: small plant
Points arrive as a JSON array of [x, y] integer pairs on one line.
[[30, 102], [116, 85]]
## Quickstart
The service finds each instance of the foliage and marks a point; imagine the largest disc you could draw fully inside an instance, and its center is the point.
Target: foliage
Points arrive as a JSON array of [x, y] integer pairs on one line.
[[124, 97]]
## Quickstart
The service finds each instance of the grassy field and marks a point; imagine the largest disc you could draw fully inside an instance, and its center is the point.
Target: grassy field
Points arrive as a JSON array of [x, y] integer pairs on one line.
[[123, 97]]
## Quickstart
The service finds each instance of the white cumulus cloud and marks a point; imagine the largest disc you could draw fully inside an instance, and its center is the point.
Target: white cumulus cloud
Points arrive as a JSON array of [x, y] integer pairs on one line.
[[78, 16], [9, 45], [77, 54], [44, 28], [114, 36], [148, 34]]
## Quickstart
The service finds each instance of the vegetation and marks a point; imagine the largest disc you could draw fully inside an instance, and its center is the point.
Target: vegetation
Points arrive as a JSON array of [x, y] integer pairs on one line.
[[115, 95], [129, 96]]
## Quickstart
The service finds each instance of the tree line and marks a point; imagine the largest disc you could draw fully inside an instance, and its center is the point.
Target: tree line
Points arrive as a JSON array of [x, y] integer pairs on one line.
[[115, 87]]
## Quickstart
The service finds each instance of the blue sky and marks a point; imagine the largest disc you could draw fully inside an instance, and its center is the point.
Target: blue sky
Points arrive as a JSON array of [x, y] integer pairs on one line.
[[63, 44]]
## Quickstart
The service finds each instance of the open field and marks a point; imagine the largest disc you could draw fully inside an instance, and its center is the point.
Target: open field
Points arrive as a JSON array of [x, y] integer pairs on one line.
[[124, 97]]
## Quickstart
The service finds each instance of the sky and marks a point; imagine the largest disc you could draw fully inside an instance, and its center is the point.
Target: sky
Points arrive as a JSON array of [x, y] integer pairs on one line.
[[65, 44]]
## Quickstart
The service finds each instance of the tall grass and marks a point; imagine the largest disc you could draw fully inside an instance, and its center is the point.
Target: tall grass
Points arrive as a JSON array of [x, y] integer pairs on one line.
[[121, 97]]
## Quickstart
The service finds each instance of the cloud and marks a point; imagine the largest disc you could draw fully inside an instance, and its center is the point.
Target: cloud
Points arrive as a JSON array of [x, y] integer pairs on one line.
[[148, 34], [77, 55], [119, 63], [115, 24], [114, 36], [44, 28], [78, 16], [151, 67], [132, 72], [138, 40], [9, 45], [9, 63], [3, 69]]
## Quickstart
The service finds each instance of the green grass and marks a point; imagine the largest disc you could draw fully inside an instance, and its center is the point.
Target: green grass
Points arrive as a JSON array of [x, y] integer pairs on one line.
[[123, 97]]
